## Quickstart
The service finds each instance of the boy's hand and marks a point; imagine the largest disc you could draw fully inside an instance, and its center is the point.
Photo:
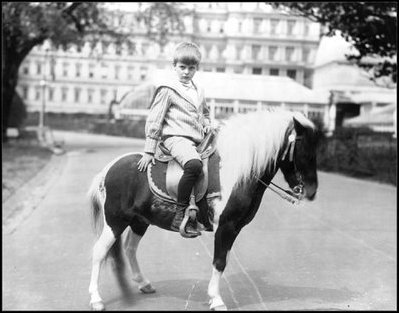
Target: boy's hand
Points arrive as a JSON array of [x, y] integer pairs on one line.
[[144, 161], [207, 129]]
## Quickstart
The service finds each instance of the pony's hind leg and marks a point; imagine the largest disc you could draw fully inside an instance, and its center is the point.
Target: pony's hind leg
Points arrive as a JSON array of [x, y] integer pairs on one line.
[[131, 242], [100, 250]]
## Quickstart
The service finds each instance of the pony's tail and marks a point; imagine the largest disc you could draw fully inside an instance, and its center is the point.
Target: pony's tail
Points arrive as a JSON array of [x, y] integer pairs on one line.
[[115, 252], [96, 205]]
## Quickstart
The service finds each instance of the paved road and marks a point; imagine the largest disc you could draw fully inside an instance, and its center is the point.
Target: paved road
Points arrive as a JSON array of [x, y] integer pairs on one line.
[[336, 253]]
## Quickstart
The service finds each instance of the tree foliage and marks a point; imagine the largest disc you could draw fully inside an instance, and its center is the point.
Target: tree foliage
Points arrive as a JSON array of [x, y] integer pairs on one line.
[[162, 19], [369, 26], [28, 24]]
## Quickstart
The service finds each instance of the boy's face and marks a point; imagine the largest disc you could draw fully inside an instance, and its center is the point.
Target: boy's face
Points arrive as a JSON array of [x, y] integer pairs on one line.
[[185, 72]]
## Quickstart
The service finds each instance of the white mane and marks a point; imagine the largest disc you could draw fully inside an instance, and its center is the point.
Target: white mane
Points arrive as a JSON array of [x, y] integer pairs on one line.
[[248, 143]]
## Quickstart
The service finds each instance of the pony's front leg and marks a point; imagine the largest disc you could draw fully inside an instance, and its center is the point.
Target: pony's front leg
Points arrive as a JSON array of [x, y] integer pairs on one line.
[[131, 242], [100, 250], [224, 239]]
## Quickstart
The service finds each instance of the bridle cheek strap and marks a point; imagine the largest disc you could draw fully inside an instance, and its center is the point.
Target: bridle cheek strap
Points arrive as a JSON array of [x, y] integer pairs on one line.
[[290, 147]]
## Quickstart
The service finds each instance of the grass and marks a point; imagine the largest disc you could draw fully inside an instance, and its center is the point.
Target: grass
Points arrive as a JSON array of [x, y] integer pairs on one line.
[[21, 161]]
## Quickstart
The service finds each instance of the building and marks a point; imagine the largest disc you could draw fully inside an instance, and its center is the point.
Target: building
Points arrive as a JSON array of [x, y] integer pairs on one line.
[[248, 38], [229, 93], [350, 91]]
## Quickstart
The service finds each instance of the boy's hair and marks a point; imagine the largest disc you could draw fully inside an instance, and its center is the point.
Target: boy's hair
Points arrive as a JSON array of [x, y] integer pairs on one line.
[[187, 53]]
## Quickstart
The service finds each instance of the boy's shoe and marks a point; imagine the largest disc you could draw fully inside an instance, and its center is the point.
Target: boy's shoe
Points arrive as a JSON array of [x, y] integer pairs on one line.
[[190, 229]]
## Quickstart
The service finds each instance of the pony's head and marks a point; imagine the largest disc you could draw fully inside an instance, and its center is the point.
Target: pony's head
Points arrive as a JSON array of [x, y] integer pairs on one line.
[[251, 145], [298, 158]]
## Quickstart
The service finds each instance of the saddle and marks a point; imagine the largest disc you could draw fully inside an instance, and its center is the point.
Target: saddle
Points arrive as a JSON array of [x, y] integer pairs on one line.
[[165, 174]]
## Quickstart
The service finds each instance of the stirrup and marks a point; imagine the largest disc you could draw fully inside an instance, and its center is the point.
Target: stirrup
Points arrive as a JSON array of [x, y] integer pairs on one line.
[[189, 214]]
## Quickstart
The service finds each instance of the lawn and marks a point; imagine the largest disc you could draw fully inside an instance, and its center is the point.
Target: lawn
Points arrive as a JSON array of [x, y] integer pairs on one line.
[[21, 161]]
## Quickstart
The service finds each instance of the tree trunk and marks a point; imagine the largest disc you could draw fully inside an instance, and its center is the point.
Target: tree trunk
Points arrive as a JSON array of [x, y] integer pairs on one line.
[[9, 83], [11, 61]]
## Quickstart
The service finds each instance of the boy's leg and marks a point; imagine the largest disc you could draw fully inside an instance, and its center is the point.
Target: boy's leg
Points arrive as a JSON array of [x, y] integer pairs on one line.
[[184, 151]]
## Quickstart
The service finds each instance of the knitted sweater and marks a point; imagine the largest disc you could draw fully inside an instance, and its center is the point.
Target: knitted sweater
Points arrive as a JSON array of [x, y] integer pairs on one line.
[[174, 113]]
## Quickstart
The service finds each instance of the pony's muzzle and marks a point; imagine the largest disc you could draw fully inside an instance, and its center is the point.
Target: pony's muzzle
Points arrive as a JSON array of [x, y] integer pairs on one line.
[[310, 191]]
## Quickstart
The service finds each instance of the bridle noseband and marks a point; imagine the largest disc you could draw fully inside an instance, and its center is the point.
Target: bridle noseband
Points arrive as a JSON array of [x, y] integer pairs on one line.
[[297, 194]]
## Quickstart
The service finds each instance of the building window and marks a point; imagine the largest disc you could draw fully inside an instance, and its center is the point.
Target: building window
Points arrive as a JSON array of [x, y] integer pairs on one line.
[[307, 78], [51, 93], [144, 48], [291, 74], [289, 53], [117, 71], [239, 28], [220, 69], [256, 70], [38, 68], [64, 92], [78, 68], [25, 90], [238, 52], [37, 93], [118, 49], [143, 72], [290, 27], [65, 69], [103, 96], [305, 55], [207, 69], [25, 69], [274, 72], [90, 95], [104, 71], [272, 52], [273, 26], [130, 70], [130, 48], [306, 30], [238, 70], [105, 45], [91, 70], [77, 95], [255, 52], [208, 49], [257, 25], [209, 26]]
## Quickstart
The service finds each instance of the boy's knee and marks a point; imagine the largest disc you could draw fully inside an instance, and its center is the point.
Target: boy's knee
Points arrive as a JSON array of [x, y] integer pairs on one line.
[[193, 166]]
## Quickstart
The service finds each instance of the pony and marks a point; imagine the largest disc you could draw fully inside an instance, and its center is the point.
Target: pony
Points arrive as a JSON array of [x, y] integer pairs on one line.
[[252, 148]]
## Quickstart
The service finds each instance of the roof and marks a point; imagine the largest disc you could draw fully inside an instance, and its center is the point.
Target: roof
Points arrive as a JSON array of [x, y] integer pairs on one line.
[[231, 86]]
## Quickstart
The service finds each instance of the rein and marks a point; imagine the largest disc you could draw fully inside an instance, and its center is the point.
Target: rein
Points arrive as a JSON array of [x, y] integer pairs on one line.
[[293, 198]]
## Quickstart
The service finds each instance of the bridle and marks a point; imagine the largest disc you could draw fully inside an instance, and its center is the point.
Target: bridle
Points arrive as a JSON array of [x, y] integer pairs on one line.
[[295, 196]]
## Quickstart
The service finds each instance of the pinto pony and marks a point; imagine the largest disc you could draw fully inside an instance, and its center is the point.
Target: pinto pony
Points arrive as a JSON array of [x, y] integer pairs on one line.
[[252, 148]]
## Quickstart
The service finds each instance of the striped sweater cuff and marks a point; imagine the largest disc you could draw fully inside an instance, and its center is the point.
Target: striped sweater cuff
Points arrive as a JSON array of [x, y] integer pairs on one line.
[[150, 145]]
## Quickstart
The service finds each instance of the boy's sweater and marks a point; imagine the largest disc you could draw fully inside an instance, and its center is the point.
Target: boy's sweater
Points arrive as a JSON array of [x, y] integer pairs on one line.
[[174, 113]]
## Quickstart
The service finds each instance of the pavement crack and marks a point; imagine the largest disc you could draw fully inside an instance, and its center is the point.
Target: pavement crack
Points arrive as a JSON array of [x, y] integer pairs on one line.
[[189, 296]]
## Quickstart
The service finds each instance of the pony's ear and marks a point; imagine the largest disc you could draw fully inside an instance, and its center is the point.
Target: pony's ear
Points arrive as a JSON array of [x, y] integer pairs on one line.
[[299, 128]]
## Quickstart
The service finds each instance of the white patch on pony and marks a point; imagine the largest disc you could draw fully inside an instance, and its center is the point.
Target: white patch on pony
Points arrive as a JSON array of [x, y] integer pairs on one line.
[[247, 144]]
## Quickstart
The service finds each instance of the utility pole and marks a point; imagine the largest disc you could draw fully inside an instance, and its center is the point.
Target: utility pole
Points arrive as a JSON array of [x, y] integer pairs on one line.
[[43, 84]]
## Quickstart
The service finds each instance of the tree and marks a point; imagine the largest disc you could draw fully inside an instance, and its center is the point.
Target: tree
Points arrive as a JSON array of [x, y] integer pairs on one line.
[[369, 26], [28, 24]]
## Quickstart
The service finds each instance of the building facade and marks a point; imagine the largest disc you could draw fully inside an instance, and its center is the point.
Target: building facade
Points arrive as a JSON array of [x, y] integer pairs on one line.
[[237, 37]]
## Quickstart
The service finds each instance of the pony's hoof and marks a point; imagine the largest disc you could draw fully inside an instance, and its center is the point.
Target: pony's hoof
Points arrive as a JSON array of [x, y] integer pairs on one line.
[[217, 305], [97, 306], [147, 289], [219, 308]]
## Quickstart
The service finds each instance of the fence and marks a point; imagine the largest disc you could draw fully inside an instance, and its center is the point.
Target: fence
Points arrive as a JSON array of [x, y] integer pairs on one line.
[[220, 109], [360, 153]]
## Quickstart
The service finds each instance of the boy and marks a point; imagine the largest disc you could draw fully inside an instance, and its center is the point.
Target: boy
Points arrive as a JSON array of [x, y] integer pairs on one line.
[[179, 117]]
